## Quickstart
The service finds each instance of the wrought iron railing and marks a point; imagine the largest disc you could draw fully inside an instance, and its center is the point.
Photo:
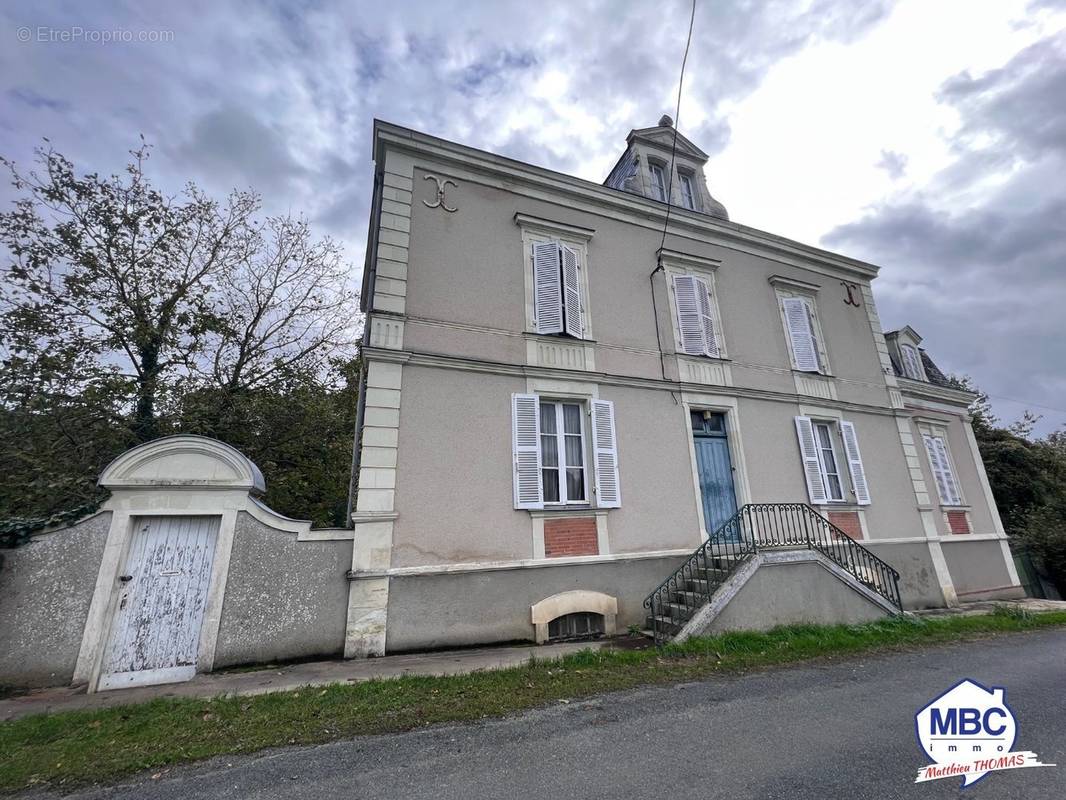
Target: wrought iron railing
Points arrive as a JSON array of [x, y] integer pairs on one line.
[[754, 527]]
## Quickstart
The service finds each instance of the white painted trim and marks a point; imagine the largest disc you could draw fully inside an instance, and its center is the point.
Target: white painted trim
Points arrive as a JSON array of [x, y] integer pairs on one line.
[[674, 267]]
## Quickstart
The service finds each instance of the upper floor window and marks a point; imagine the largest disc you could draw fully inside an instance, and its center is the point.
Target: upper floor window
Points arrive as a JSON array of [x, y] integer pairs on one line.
[[695, 314], [803, 332], [557, 305], [688, 194], [912, 362], [557, 291], [658, 181]]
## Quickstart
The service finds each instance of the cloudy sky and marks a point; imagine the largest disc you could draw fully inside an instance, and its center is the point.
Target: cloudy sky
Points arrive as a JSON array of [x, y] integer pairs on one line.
[[927, 136]]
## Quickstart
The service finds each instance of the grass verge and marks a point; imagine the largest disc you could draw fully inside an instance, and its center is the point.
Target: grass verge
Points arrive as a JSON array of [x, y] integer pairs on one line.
[[75, 748]]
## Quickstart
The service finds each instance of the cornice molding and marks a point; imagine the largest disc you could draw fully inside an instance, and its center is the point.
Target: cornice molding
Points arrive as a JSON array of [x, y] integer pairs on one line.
[[440, 361], [486, 168], [528, 221], [784, 282], [675, 258]]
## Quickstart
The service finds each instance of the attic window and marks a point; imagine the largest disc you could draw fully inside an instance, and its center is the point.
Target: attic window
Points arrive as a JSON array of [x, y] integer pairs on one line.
[[688, 195], [912, 363], [658, 182]]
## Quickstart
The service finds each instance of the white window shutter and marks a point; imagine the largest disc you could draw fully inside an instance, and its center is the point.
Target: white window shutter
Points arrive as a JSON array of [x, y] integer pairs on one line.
[[934, 464], [951, 487], [703, 297], [912, 366], [801, 334], [605, 447], [575, 317], [689, 319], [547, 288], [812, 466], [858, 474], [525, 438]]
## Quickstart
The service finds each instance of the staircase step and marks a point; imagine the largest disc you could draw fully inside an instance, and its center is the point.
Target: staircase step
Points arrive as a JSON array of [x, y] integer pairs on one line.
[[666, 626]]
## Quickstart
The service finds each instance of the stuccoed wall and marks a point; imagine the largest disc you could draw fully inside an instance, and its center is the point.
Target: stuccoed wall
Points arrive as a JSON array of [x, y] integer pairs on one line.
[[45, 590], [285, 598], [453, 610], [918, 584], [979, 570], [791, 594]]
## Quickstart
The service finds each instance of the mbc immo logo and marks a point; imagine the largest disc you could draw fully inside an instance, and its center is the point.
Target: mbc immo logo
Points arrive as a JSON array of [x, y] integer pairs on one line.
[[967, 732]]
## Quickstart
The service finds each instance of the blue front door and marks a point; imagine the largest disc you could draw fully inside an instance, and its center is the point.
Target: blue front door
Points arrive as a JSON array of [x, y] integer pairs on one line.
[[715, 468]]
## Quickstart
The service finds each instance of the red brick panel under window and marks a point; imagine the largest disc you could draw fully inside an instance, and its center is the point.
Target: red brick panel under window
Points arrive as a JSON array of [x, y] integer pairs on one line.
[[957, 522], [847, 521], [570, 537]]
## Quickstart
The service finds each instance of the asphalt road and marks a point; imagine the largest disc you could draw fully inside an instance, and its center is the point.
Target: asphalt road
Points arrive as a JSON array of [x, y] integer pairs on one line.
[[832, 730]]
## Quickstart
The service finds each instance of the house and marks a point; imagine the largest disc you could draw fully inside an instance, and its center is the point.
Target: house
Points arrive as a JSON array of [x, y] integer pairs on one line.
[[562, 404], [569, 423]]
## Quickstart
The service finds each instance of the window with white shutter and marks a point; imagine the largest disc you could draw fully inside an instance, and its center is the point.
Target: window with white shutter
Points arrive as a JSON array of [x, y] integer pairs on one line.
[[549, 448], [946, 484], [812, 464], [525, 445], [912, 362], [800, 326], [605, 447], [858, 474], [695, 316], [547, 287], [557, 289], [822, 463], [572, 311]]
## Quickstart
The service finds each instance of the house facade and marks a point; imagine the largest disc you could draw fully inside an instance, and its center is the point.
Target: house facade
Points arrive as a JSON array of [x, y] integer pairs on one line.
[[562, 401], [569, 423]]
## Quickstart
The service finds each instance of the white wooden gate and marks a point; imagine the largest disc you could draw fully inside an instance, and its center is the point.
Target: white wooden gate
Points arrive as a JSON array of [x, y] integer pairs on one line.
[[155, 633]]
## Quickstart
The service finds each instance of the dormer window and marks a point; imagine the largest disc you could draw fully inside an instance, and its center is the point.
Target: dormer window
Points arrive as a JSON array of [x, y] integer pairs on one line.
[[658, 182], [688, 194], [912, 362]]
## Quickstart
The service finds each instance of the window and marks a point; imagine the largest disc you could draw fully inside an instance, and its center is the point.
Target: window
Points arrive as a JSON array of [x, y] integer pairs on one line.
[[912, 362], [562, 452], [550, 448], [798, 313], [693, 304], [943, 472], [557, 304], [582, 625], [688, 195], [834, 490], [821, 460], [658, 182]]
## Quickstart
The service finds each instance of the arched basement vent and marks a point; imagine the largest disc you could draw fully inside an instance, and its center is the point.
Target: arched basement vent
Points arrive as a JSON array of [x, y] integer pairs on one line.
[[580, 625]]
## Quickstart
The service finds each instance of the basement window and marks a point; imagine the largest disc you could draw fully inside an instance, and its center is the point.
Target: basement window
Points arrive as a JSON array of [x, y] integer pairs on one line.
[[582, 625]]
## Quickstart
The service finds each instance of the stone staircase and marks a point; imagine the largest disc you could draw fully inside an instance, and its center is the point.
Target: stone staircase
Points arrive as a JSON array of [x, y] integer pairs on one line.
[[755, 531]]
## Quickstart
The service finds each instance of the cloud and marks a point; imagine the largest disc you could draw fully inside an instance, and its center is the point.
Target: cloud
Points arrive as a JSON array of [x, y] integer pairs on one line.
[[280, 96], [895, 164], [983, 280]]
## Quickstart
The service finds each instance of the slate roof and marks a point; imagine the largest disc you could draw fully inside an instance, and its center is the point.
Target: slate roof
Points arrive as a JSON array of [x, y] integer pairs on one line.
[[932, 371]]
